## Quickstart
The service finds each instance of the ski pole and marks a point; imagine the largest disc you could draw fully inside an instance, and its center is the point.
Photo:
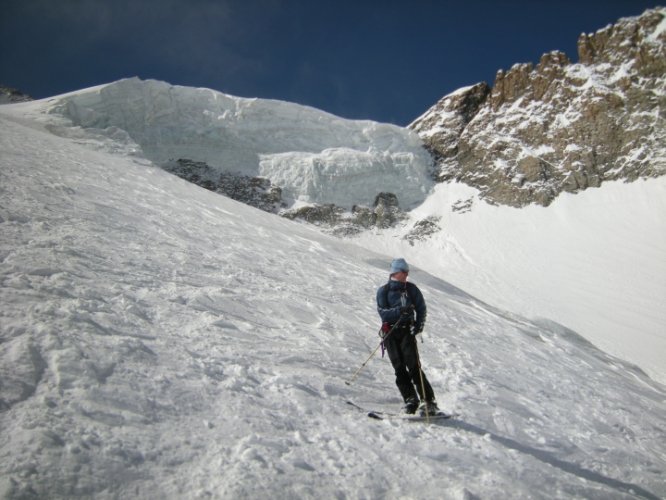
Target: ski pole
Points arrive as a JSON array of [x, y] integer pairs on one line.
[[423, 395], [349, 382]]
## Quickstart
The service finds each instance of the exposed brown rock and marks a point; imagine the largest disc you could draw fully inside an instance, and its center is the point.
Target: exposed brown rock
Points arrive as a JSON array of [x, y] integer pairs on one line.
[[559, 126]]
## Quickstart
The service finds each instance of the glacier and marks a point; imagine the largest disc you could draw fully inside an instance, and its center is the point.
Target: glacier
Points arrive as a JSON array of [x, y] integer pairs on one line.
[[315, 157]]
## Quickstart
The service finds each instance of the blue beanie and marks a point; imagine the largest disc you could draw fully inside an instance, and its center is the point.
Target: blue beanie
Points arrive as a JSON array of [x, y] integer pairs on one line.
[[399, 265]]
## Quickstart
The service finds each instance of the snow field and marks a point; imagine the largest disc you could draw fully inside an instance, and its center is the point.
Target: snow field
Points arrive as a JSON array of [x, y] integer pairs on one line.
[[161, 341], [591, 261]]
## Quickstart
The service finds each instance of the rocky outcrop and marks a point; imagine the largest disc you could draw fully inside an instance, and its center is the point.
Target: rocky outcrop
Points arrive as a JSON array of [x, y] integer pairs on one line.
[[9, 95], [559, 126], [423, 229], [440, 128], [258, 192], [254, 191], [384, 213]]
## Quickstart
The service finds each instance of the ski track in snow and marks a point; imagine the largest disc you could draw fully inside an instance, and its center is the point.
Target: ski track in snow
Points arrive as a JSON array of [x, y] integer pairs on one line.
[[162, 341]]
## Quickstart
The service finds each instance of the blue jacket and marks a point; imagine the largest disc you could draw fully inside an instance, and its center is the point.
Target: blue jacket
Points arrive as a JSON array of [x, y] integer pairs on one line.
[[390, 312]]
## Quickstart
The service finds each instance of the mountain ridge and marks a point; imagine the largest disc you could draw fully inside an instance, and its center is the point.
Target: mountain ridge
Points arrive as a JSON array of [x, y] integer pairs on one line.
[[559, 127], [537, 132]]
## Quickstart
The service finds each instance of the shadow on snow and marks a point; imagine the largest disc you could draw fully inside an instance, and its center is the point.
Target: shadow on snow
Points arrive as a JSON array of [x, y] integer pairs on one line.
[[550, 459]]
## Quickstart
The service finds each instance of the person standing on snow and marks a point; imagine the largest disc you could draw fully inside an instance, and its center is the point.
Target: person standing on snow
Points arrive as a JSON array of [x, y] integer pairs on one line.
[[402, 308]]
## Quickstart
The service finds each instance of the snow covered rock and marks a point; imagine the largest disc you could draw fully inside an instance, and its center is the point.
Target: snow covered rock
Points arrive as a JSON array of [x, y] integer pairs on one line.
[[9, 95], [559, 126], [384, 213]]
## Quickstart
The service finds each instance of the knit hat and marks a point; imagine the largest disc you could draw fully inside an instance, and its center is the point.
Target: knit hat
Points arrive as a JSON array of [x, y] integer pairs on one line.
[[399, 265]]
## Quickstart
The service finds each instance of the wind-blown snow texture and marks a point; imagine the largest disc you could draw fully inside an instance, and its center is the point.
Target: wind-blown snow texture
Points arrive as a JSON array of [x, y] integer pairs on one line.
[[162, 341]]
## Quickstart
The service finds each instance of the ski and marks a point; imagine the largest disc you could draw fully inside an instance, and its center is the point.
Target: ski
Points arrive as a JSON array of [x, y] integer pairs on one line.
[[384, 415], [410, 418], [379, 415]]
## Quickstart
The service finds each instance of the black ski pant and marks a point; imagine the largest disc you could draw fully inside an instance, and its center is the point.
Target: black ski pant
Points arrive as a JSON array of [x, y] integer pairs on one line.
[[402, 350]]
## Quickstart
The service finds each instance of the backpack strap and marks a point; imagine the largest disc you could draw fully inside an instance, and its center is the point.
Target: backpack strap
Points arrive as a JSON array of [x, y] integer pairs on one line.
[[409, 287]]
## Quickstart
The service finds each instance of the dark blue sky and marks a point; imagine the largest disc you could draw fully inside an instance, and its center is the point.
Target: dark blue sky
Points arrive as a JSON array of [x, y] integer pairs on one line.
[[382, 60]]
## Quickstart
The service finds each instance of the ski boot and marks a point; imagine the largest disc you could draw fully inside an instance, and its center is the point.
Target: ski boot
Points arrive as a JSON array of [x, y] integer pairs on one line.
[[411, 405], [428, 409]]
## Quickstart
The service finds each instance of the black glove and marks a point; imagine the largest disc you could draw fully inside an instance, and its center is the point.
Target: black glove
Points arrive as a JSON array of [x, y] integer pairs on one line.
[[416, 329], [407, 310]]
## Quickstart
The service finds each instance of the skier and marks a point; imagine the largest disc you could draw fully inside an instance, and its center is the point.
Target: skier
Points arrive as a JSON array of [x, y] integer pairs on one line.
[[402, 308]]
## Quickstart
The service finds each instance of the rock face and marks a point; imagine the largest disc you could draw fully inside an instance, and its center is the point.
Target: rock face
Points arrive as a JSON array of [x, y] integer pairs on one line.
[[384, 213], [559, 126], [257, 192]]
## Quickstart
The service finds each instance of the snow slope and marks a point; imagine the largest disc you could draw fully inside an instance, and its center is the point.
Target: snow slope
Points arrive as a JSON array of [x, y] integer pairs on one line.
[[594, 261], [162, 341]]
